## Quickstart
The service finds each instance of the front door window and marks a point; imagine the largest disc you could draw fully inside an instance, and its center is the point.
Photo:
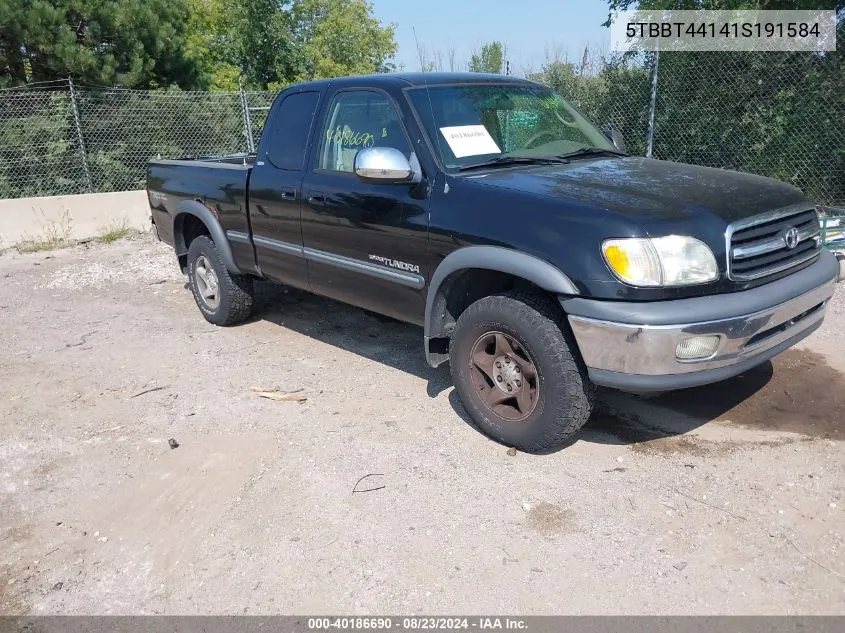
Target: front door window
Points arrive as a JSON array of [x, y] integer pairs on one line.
[[357, 120]]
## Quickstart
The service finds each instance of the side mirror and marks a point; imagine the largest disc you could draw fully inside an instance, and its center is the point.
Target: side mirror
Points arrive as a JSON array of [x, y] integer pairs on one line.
[[382, 165], [615, 136]]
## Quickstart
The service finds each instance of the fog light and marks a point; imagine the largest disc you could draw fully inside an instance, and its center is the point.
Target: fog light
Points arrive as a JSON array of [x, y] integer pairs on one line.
[[697, 347]]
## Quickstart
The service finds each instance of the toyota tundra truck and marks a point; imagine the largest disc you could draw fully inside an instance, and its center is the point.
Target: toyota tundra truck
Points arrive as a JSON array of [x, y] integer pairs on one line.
[[539, 258]]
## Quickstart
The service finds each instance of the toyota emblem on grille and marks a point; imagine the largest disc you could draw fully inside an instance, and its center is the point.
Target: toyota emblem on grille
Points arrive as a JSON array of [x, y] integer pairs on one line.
[[790, 237]]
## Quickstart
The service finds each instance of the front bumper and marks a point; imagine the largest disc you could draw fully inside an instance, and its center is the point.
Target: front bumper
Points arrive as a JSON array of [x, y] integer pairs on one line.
[[632, 346]]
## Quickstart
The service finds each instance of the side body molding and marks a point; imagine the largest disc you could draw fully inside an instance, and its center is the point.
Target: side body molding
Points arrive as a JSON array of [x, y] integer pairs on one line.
[[529, 267], [218, 235]]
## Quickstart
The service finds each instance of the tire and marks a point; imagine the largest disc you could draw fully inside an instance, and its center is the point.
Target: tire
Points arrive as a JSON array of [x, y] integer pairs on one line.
[[233, 298], [530, 327]]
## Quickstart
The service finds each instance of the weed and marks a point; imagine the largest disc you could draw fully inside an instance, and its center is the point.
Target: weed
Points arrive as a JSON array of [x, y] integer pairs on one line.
[[113, 232], [56, 235]]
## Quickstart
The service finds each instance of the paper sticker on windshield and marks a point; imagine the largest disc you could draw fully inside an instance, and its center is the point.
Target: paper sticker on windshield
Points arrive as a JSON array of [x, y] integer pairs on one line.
[[469, 140]]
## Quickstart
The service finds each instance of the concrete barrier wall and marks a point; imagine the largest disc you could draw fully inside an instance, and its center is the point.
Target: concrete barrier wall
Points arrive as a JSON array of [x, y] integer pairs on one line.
[[73, 217]]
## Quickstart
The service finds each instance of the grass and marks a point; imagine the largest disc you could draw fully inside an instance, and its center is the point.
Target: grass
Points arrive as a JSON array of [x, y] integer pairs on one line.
[[115, 231], [55, 235], [38, 245]]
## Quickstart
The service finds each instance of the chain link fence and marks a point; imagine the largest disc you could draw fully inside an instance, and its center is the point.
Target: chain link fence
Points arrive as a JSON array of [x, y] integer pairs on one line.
[[64, 139], [775, 114]]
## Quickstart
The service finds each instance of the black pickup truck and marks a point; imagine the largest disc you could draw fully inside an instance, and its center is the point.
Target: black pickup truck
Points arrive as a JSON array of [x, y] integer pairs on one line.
[[538, 256]]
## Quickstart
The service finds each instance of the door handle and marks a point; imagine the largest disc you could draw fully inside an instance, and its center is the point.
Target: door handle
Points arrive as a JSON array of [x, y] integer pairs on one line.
[[288, 194], [317, 198]]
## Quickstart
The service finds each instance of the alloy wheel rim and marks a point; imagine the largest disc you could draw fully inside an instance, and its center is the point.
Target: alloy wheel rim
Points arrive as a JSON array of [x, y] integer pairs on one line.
[[207, 284], [504, 376]]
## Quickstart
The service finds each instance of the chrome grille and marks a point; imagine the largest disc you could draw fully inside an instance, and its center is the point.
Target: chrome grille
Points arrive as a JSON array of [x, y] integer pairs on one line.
[[757, 246]]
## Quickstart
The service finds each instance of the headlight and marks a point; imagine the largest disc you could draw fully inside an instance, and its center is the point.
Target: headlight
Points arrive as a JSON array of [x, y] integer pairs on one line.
[[674, 260]]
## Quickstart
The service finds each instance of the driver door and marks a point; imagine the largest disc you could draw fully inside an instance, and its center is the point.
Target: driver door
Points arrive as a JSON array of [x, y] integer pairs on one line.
[[365, 242]]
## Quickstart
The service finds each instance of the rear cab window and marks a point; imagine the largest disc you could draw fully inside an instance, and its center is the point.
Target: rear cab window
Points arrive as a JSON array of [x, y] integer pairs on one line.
[[287, 137]]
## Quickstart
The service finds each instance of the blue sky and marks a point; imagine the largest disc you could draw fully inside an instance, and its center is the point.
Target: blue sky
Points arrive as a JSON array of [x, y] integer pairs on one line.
[[527, 27]]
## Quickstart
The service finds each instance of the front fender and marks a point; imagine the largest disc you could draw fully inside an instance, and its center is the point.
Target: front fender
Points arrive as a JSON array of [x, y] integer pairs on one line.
[[218, 235], [539, 272]]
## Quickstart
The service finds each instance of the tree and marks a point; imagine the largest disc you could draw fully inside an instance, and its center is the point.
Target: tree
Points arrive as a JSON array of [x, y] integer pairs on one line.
[[248, 39], [491, 59], [339, 37], [211, 40], [133, 43], [272, 43], [773, 113], [616, 96], [261, 43]]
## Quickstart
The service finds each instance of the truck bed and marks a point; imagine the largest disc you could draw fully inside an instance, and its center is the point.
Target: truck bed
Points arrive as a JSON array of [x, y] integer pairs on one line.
[[219, 183]]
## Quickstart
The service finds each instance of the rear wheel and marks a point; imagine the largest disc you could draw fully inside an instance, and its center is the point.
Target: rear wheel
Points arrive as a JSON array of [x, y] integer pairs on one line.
[[518, 374], [223, 298]]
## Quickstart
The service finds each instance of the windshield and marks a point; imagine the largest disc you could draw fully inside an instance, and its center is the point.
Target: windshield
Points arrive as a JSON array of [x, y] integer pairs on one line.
[[477, 122]]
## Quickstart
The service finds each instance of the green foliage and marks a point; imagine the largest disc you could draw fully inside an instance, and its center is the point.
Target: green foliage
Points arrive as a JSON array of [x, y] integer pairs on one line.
[[123, 129], [248, 38], [209, 42], [40, 153], [340, 37], [190, 43], [158, 44], [134, 43], [40, 244], [491, 59], [776, 113], [114, 231], [273, 43], [38, 156], [608, 99], [55, 235], [260, 42]]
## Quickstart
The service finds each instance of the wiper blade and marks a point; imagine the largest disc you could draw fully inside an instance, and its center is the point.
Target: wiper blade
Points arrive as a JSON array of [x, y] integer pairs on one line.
[[515, 160], [590, 151]]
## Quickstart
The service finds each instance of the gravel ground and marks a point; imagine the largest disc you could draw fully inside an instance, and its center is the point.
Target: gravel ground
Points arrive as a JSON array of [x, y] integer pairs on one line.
[[375, 495]]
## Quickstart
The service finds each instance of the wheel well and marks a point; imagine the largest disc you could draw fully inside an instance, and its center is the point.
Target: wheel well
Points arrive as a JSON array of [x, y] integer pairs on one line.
[[186, 229], [463, 288]]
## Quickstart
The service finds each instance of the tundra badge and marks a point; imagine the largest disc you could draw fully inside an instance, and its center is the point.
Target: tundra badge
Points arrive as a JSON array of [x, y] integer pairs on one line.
[[395, 263]]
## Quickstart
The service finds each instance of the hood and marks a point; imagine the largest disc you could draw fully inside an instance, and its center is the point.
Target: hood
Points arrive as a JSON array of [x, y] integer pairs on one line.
[[653, 193]]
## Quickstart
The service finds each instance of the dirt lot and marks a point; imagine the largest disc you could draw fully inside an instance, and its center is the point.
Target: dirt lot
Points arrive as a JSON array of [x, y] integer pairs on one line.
[[725, 499]]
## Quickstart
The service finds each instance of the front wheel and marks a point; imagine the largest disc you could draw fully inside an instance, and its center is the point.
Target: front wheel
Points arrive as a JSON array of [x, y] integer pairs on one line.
[[223, 298], [518, 374]]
